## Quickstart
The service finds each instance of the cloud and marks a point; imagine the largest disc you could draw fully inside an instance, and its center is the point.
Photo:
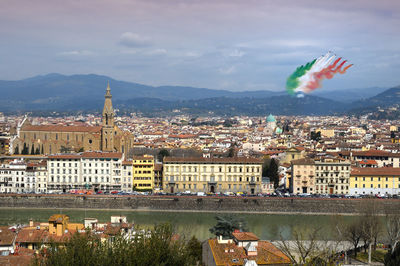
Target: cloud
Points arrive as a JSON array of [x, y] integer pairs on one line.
[[157, 52], [131, 39], [228, 70], [76, 53], [236, 53]]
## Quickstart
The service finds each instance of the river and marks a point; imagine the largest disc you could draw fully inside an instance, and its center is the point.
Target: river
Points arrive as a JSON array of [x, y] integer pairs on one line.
[[265, 226]]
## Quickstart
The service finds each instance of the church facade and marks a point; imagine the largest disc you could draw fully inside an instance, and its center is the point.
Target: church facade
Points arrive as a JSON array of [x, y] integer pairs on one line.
[[52, 139]]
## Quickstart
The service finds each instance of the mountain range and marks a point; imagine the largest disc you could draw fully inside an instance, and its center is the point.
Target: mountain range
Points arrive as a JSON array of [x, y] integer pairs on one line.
[[62, 93]]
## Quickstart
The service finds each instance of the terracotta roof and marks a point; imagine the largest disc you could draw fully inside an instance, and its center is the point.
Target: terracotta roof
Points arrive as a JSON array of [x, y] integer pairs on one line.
[[245, 236], [382, 171], [102, 155], [212, 160], [65, 156], [6, 236], [148, 157], [303, 161], [24, 257], [158, 167], [368, 162], [62, 128], [231, 254]]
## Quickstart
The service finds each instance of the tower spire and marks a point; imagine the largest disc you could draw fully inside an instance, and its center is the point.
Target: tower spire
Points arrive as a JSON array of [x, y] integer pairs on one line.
[[108, 91]]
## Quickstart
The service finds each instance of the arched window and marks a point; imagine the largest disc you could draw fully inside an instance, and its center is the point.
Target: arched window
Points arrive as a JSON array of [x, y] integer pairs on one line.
[[106, 119]]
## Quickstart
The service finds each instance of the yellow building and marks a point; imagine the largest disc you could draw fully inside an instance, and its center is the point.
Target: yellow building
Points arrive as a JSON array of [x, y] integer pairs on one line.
[[328, 133], [143, 172], [293, 153], [383, 180], [212, 175]]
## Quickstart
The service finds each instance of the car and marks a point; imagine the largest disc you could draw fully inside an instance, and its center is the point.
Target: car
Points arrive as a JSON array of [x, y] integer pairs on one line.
[[114, 192], [201, 194]]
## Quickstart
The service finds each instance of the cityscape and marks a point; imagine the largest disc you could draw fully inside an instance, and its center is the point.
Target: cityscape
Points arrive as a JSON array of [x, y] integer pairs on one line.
[[200, 133]]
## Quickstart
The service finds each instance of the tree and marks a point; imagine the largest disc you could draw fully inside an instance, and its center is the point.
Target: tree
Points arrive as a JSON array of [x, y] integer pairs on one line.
[[353, 233], [159, 246], [194, 248], [231, 152], [37, 151], [315, 135], [393, 230], [392, 258], [32, 150], [226, 224], [308, 248], [16, 150], [24, 149], [227, 123], [272, 172], [64, 149], [163, 153]]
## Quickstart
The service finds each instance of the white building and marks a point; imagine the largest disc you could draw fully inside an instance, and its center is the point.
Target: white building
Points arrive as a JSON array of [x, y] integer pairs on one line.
[[127, 176], [87, 170]]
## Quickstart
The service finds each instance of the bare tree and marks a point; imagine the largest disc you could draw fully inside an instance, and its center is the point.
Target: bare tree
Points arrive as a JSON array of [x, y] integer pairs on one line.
[[353, 233], [309, 247], [393, 229]]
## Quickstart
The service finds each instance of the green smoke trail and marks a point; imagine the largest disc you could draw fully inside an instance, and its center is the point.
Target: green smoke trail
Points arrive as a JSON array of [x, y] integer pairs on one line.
[[292, 82]]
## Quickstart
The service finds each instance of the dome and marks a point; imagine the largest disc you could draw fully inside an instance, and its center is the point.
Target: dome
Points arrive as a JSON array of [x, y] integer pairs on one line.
[[271, 118]]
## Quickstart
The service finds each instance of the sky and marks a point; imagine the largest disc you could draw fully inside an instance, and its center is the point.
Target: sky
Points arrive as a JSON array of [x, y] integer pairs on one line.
[[217, 44]]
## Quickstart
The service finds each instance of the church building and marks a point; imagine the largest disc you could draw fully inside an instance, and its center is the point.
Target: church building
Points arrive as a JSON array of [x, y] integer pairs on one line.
[[51, 139]]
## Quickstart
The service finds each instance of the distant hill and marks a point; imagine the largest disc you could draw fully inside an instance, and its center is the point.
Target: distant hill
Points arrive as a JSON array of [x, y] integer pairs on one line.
[[348, 95], [61, 92], [389, 97], [282, 105], [70, 94]]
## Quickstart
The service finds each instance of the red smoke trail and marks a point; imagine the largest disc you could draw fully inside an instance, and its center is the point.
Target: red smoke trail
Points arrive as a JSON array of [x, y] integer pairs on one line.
[[326, 73]]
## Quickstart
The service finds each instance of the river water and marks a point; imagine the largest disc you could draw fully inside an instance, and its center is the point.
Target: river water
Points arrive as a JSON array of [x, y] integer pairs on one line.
[[265, 226]]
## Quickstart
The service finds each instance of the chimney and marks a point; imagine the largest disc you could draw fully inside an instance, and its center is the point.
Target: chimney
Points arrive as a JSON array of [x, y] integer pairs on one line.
[[31, 222]]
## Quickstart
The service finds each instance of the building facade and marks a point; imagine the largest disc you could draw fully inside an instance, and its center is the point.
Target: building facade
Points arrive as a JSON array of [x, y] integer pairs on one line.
[[375, 181], [143, 172], [99, 171], [332, 176], [303, 176], [52, 139], [212, 175], [320, 176], [127, 176]]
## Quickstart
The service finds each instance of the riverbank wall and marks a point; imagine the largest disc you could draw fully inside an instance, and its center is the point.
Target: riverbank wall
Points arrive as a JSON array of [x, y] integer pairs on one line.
[[205, 204]]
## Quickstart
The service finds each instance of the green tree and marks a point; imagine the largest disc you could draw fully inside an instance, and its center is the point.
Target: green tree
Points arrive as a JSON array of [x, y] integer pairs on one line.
[[194, 248], [315, 135], [231, 152], [24, 149], [37, 151], [16, 150], [159, 246], [64, 149], [32, 150], [226, 224], [392, 258], [272, 172], [163, 153]]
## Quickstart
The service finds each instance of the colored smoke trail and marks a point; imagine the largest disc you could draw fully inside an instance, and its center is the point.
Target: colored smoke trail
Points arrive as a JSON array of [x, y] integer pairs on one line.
[[310, 76]]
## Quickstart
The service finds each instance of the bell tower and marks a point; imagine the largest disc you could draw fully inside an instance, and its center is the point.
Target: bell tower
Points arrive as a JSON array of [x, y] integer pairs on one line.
[[107, 131]]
